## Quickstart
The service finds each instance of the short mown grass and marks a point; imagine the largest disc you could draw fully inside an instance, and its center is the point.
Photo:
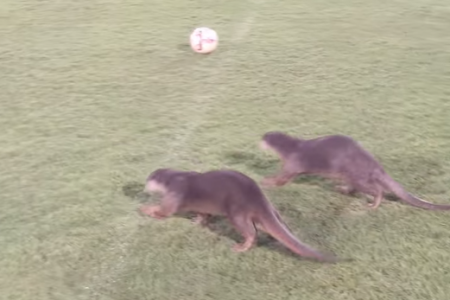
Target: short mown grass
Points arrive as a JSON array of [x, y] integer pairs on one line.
[[97, 94]]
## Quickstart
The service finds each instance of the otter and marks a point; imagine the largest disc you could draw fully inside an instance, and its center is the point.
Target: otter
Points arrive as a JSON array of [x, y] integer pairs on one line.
[[227, 193], [337, 157]]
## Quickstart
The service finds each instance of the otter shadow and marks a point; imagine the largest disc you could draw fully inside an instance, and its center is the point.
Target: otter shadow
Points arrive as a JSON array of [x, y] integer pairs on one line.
[[135, 191], [269, 167], [313, 180], [221, 226], [259, 165]]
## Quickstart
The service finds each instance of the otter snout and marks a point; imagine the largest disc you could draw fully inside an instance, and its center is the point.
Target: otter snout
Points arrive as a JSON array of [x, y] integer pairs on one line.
[[152, 186], [263, 145]]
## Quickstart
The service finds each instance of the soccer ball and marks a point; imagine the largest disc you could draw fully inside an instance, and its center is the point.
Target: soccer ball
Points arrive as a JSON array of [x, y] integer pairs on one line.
[[204, 40]]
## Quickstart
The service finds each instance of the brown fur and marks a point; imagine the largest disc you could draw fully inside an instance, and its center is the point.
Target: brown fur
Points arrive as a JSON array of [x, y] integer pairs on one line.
[[228, 193], [337, 157]]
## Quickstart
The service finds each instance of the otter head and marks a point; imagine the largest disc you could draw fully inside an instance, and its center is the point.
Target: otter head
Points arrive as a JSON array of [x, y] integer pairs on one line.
[[157, 180], [278, 141], [273, 139]]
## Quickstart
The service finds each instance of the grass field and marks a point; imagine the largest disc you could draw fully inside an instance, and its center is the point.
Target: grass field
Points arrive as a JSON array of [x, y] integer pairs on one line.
[[97, 94]]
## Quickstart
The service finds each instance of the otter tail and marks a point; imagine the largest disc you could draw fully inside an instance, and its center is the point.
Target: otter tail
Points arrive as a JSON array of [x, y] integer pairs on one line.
[[394, 187], [272, 224]]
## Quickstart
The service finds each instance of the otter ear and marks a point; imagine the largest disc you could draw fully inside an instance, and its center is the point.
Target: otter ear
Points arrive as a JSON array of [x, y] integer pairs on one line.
[[155, 173], [266, 135], [150, 176]]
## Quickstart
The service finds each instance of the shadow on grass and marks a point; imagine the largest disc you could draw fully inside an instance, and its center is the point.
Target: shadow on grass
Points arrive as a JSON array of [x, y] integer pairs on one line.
[[135, 191], [184, 47], [221, 226], [253, 161], [270, 166]]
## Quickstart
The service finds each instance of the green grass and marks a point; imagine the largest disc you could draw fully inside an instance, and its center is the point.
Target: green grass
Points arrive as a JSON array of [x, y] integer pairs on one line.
[[97, 94]]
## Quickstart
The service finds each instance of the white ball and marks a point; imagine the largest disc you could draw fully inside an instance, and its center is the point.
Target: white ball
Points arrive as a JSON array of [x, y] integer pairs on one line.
[[204, 40]]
